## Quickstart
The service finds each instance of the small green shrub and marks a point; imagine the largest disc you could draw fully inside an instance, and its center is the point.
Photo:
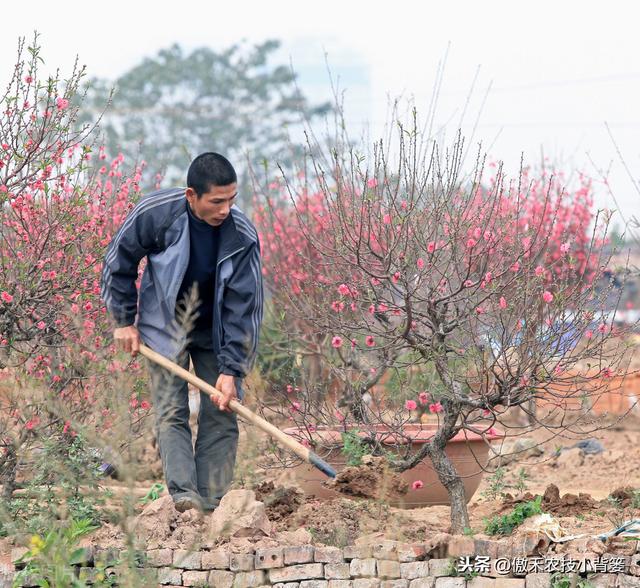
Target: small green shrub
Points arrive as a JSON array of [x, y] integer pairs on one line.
[[505, 524], [353, 447]]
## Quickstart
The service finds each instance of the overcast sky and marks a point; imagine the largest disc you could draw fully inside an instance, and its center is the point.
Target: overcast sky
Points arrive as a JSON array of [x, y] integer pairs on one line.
[[558, 69]]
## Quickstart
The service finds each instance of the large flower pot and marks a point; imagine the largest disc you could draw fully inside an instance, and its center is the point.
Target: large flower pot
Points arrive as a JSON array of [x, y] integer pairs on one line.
[[467, 451]]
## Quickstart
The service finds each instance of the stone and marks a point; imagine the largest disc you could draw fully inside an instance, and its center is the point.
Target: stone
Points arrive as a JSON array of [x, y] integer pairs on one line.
[[363, 567], [337, 571], [461, 545], [189, 560], [109, 556], [241, 562], [509, 583], [538, 580], [388, 568], [215, 560], [413, 570], [398, 583], [221, 578], [423, 583], [309, 571], [158, 558], [169, 576], [314, 584], [440, 567], [300, 554], [194, 578], [357, 552], [269, 558], [17, 553], [239, 515], [634, 565], [626, 581], [286, 585], [328, 555], [411, 552], [450, 582], [481, 582], [366, 583], [486, 547], [249, 579], [340, 584], [602, 580], [596, 546], [385, 550]]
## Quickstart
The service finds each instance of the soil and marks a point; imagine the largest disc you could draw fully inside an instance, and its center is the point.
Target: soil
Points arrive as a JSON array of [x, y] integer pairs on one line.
[[372, 479]]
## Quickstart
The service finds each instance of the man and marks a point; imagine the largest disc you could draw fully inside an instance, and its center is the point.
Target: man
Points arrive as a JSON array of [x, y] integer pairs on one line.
[[202, 249]]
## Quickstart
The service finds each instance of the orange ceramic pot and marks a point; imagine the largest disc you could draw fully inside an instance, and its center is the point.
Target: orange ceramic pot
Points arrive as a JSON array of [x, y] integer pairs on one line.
[[467, 451]]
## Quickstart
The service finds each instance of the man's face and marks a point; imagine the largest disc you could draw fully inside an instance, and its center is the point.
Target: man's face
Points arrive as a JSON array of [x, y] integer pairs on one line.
[[213, 206]]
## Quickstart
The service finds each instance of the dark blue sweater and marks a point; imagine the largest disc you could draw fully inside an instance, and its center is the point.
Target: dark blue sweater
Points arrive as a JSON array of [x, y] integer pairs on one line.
[[203, 256]]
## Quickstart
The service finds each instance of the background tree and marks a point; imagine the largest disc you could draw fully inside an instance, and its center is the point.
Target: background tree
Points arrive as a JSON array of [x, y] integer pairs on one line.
[[175, 105]]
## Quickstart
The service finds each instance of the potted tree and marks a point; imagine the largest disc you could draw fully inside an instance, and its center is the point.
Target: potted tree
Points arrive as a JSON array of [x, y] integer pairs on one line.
[[470, 294]]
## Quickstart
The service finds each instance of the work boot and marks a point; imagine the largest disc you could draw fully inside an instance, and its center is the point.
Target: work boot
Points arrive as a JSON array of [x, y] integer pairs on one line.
[[185, 503]]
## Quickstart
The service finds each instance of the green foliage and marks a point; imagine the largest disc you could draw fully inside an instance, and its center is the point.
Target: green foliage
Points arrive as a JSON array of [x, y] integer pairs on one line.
[[153, 494], [499, 483], [505, 524], [353, 447], [66, 483], [175, 105], [560, 580], [50, 560]]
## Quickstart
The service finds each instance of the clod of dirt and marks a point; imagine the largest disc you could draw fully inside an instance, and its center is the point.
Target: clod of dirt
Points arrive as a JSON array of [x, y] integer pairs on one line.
[[624, 496], [372, 479], [280, 502], [568, 504]]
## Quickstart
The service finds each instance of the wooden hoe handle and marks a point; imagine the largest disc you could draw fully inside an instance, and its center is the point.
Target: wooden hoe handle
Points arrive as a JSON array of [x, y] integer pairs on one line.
[[285, 440]]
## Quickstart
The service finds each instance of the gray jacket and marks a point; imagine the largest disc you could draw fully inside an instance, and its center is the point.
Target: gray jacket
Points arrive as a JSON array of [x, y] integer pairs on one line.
[[158, 228]]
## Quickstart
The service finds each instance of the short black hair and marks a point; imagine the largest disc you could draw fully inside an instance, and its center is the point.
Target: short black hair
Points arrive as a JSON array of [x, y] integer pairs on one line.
[[208, 170]]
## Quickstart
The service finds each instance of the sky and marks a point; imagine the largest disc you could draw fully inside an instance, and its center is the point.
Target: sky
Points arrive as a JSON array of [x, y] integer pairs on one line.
[[549, 75]]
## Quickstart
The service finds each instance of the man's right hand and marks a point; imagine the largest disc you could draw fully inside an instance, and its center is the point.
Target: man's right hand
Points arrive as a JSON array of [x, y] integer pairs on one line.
[[127, 339]]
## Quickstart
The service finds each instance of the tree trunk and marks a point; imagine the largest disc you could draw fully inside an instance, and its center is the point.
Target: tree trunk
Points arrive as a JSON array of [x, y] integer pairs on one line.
[[453, 483]]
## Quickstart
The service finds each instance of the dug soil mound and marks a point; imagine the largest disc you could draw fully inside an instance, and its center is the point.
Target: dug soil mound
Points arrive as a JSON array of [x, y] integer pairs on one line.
[[372, 479], [280, 502]]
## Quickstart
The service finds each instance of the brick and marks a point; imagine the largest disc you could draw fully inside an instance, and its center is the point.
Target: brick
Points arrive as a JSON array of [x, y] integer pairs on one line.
[[441, 567], [481, 582], [388, 568], [286, 585], [411, 552], [509, 583], [158, 558], [538, 580], [363, 567], [269, 558], [195, 578], [460, 545], [108, 556], [221, 578], [394, 584], [337, 571], [241, 562], [385, 550], [328, 555], [189, 560], [626, 581], [414, 569], [297, 555], [169, 576], [17, 553], [340, 584], [215, 560], [298, 572], [250, 579], [634, 565], [450, 583], [423, 583], [314, 584], [357, 552], [366, 583]]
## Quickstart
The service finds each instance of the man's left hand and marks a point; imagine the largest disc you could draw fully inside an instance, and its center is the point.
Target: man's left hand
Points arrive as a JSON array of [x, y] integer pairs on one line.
[[227, 385]]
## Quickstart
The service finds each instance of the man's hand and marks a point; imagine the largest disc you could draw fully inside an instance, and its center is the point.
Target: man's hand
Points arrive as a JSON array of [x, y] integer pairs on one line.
[[127, 339], [227, 385]]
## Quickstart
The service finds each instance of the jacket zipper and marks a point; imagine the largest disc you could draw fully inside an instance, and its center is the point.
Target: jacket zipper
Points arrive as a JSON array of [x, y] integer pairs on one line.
[[216, 314]]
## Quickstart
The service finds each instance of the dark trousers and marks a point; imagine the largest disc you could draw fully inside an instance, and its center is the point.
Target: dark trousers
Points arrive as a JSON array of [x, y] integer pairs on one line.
[[206, 472]]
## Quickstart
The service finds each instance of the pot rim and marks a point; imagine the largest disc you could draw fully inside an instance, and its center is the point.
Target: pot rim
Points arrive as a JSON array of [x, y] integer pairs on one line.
[[411, 433]]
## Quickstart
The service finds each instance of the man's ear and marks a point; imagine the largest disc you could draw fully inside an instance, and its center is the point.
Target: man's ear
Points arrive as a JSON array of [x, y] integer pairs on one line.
[[191, 195]]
